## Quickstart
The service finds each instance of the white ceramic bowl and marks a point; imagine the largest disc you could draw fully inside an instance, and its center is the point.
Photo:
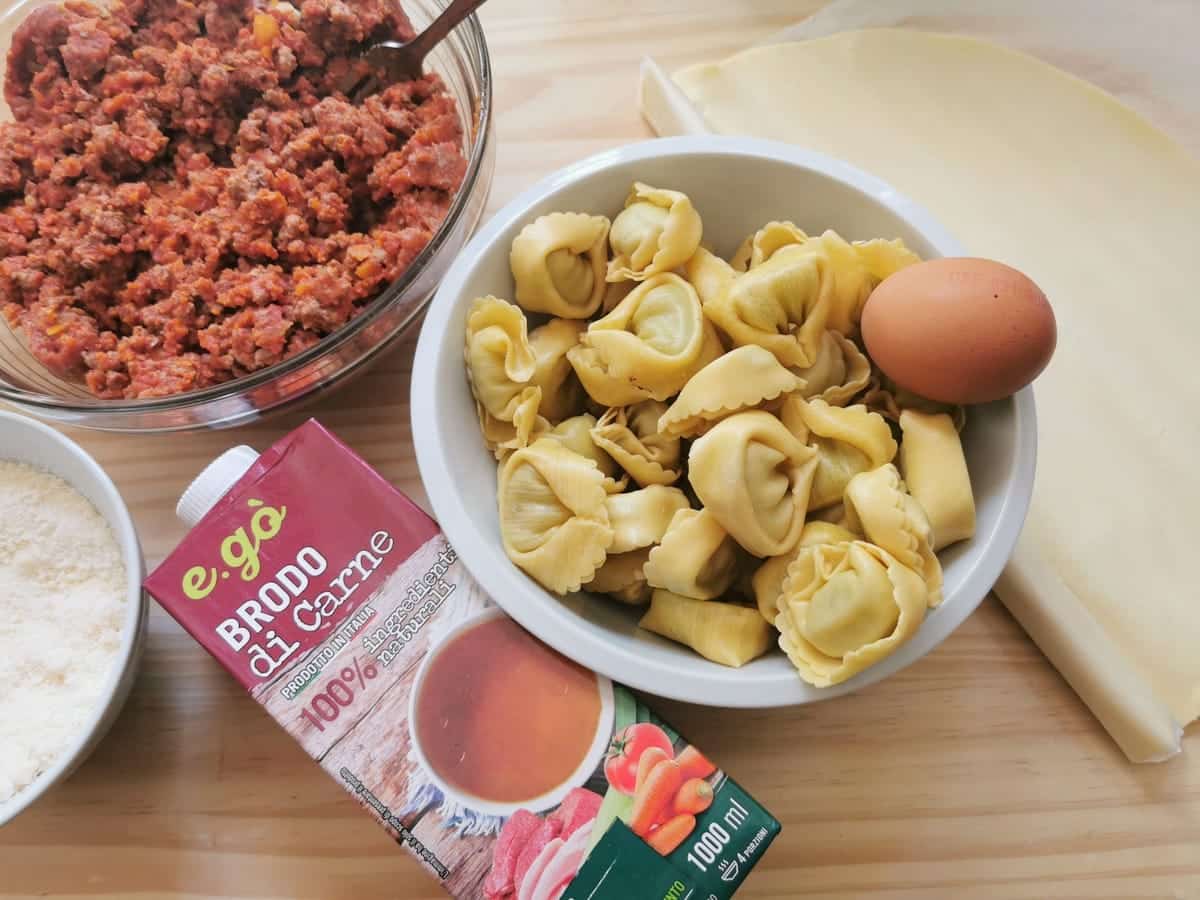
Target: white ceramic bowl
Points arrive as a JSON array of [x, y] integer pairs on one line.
[[552, 797], [737, 184], [26, 440]]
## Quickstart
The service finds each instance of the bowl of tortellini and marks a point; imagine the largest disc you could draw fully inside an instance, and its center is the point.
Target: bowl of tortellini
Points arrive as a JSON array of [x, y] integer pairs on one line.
[[645, 419]]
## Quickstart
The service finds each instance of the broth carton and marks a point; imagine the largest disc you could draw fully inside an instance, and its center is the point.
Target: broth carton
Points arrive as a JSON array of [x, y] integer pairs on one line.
[[507, 769]]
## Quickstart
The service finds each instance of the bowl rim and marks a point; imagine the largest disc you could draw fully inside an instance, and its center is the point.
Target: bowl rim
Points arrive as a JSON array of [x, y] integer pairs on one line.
[[564, 629], [118, 679], [480, 137]]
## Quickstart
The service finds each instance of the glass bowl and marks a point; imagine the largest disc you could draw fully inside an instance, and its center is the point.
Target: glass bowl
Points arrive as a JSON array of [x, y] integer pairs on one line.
[[463, 63]]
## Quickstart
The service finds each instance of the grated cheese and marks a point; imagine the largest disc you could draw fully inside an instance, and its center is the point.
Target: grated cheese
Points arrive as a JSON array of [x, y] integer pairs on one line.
[[62, 586]]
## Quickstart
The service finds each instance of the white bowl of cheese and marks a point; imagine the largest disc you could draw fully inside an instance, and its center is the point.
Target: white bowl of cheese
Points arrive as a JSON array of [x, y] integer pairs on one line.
[[74, 622], [736, 185]]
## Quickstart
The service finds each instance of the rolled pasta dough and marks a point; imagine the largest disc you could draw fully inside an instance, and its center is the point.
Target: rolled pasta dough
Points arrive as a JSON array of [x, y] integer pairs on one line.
[[1011, 131]]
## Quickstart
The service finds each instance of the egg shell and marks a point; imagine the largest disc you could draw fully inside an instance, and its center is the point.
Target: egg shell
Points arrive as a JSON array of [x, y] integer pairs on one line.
[[959, 330]]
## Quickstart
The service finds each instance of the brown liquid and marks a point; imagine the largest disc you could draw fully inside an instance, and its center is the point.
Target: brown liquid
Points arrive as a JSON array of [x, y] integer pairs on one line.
[[503, 717]]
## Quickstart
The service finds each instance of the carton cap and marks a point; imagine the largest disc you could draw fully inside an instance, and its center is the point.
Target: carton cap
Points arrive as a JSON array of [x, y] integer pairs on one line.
[[214, 483]]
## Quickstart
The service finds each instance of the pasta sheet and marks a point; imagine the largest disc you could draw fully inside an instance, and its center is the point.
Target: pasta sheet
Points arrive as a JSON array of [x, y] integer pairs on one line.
[[1034, 167]]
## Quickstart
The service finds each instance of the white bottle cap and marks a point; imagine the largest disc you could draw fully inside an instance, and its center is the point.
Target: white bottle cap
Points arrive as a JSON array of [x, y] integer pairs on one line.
[[214, 483]]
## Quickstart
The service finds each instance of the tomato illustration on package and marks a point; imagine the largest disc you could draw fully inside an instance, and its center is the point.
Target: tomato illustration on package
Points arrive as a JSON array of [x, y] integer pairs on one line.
[[509, 770]]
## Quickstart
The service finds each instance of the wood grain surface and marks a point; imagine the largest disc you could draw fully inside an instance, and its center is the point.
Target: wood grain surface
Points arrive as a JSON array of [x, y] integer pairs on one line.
[[974, 773]]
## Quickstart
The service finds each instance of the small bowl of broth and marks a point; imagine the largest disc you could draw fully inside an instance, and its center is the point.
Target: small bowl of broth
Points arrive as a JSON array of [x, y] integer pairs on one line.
[[502, 722]]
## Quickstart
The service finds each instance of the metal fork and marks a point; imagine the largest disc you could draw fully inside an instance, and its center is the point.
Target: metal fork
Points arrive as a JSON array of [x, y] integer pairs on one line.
[[393, 61]]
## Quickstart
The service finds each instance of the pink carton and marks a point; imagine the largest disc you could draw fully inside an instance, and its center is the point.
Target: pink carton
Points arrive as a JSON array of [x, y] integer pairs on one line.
[[509, 770]]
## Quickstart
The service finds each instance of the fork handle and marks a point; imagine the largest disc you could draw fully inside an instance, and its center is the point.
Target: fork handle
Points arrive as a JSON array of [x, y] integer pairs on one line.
[[454, 13]]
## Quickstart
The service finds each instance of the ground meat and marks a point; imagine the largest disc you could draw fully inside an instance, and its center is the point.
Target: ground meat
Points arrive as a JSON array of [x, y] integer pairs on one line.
[[87, 49], [186, 196]]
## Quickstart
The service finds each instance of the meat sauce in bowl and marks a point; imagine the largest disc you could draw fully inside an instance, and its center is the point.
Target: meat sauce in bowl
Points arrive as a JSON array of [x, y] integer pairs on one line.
[[186, 197]]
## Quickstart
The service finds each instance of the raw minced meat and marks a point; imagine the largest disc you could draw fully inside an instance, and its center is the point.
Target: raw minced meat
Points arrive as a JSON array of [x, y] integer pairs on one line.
[[186, 196]]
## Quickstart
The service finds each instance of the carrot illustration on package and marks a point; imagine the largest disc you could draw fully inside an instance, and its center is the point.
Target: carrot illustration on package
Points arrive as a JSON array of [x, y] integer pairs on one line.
[[695, 764], [695, 796], [655, 794], [651, 758], [671, 834]]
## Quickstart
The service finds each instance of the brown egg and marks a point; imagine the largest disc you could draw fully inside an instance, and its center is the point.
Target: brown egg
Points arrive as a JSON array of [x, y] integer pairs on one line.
[[959, 330]]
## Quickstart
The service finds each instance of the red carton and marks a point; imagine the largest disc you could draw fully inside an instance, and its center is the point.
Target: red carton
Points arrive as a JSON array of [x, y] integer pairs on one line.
[[509, 770]]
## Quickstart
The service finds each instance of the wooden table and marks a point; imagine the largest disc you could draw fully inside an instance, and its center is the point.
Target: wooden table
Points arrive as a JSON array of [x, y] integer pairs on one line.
[[975, 773]]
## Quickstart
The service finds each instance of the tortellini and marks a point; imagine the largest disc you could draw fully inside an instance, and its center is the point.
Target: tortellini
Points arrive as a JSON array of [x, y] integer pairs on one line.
[[710, 275], [559, 264], [500, 360], [935, 469], [603, 387], [653, 338], [754, 476], [553, 517], [655, 232], [848, 440], [845, 607], [890, 400], [575, 434], [562, 395], [760, 246], [725, 633], [878, 505], [787, 302], [883, 258], [791, 410], [621, 577], [630, 435], [709, 437], [767, 582], [738, 380], [696, 558], [840, 371], [818, 532], [640, 518], [607, 389], [501, 366], [782, 305], [502, 438]]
